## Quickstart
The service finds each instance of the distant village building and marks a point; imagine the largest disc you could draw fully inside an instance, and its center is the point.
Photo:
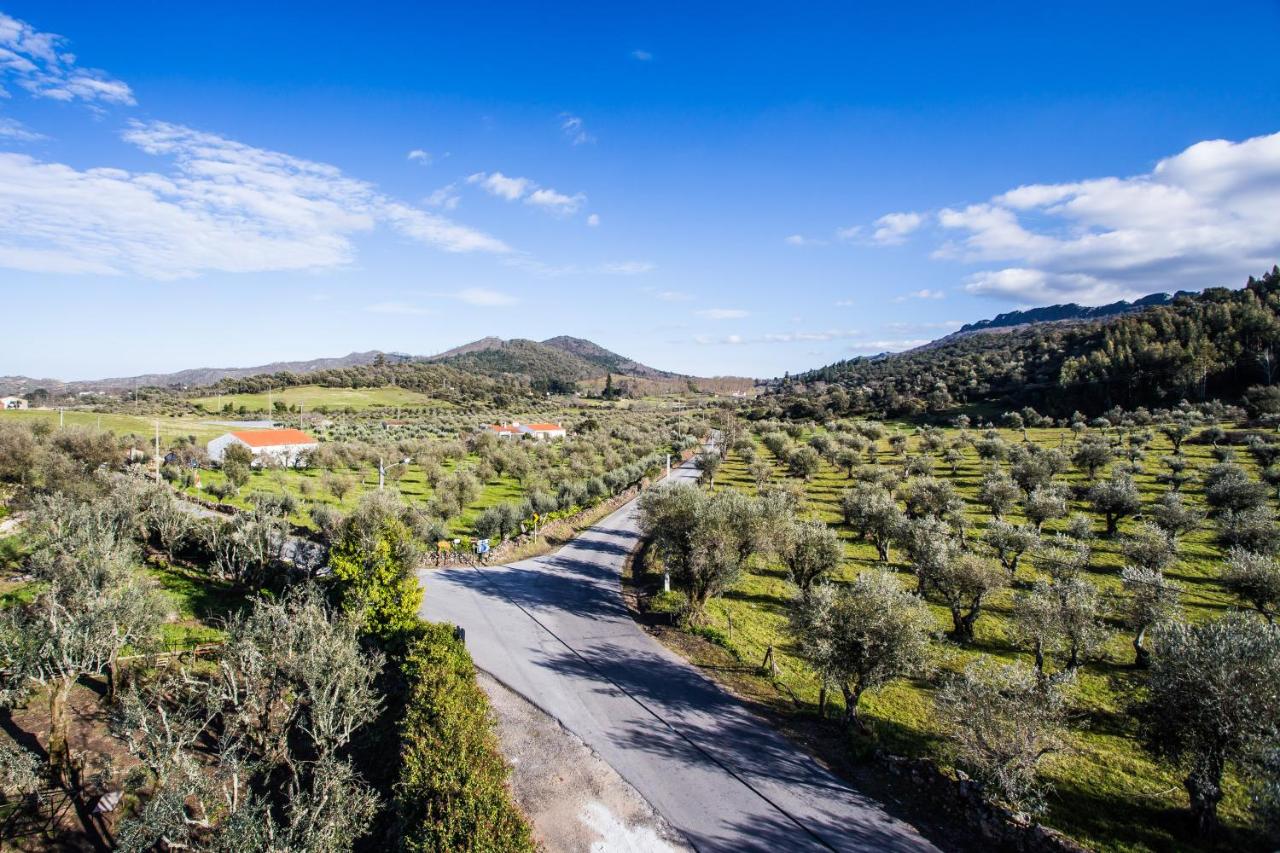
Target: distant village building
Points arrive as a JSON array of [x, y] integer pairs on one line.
[[515, 429], [13, 403], [285, 446]]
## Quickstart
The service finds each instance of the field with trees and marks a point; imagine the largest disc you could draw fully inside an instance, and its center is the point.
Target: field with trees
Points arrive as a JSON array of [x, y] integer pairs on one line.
[[229, 690], [315, 398], [1080, 617]]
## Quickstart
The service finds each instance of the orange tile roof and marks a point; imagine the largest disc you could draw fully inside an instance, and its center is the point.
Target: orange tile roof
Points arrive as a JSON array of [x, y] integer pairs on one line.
[[501, 428], [273, 437], [544, 426]]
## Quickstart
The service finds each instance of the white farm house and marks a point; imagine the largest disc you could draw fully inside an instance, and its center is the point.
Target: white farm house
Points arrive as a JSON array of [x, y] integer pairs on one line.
[[285, 446]]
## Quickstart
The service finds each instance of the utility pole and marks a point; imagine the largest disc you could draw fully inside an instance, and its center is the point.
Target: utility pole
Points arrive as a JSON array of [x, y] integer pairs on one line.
[[61, 412], [668, 464], [157, 452]]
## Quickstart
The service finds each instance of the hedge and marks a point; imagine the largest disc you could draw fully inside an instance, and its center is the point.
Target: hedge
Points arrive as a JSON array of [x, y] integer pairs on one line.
[[452, 794]]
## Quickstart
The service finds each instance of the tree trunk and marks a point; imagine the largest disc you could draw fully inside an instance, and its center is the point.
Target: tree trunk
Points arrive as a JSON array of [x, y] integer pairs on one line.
[[1141, 657], [1112, 520], [822, 702], [1204, 784], [1039, 653], [851, 719], [962, 623], [59, 752]]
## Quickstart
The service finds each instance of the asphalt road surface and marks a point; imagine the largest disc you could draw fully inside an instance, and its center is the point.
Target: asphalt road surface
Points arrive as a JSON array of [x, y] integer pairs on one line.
[[555, 629]]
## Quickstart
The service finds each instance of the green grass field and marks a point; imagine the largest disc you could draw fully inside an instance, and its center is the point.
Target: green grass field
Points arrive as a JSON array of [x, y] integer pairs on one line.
[[1108, 793], [307, 486], [170, 427], [313, 397]]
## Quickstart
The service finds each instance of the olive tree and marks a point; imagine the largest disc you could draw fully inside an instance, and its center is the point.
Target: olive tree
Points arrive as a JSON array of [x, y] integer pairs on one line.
[[1091, 457], [1212, 699], [1002, 721], [811, 551], [708, 462], [1149, 547], [1175, 516], [874, 514], [1255, 579], [998, 493], [963, 581], [862, 636], [1228, 488], [1151, 600], [1251, 529], [1060, 617], [94, 603], [703, 540], [1114, 499], [292, 686], [1045, 503], [1008, 542]]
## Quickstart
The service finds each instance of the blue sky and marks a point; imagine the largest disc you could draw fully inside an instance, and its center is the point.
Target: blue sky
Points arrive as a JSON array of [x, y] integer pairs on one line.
[[733, 189]]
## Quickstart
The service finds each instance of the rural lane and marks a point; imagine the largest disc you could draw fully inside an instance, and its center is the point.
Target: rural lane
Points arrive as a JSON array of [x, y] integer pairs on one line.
[[555, 629]]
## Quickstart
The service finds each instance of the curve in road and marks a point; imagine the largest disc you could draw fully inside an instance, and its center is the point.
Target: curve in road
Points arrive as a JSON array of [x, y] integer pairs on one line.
[[556, 630]]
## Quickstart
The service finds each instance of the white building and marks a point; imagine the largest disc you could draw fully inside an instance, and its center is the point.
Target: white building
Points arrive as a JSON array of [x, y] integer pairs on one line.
[[285, 446], [515, 429], [12, 403]]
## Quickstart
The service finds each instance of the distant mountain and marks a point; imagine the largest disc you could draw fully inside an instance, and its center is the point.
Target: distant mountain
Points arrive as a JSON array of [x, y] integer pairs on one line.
[[1069, 311], [1156, 351], [560, 360], [554, 364], [610, 361], [190, 378]]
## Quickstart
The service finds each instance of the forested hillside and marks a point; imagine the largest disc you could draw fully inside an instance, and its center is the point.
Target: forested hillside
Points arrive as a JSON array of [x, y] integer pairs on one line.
[[1212, 345]]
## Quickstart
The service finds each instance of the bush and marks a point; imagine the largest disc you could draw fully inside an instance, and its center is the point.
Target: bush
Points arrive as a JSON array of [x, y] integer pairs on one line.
[[451, 794]]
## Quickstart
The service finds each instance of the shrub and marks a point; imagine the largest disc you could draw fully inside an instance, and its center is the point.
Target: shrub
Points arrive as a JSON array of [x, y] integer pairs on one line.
[[451, 794]]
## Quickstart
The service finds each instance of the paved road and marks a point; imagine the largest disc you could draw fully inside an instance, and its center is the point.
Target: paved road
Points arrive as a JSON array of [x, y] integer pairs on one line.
[[555, 630]]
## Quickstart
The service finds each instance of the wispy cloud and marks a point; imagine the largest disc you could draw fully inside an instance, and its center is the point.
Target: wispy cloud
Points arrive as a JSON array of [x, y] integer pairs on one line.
[[16, 131], [220, 205], [777, 337], [39, 63], [642, 55], [402, 309], [801, 240], [527, 190], [424, 158], [498, 184], [722, 313], [575, 130], [445, 198], [483, 297], [593, 220], [556, 202], [624, 268], [670, 295], [925, 293]]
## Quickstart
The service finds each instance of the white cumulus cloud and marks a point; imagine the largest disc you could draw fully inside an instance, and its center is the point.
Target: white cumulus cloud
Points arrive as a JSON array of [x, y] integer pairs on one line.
[[893, 228], [722, 313], [1209, 215]]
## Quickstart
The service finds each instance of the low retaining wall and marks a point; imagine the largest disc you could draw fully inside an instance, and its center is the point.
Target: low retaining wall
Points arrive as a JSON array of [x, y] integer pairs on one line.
[[959, 796]]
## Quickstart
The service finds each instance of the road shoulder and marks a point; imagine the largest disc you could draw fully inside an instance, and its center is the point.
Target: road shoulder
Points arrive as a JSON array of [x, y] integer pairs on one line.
[[574, 800]]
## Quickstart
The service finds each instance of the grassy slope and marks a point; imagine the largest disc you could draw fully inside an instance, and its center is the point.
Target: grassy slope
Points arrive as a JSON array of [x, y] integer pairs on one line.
[[314, 396], [170, 427], [1108, 792], [307, 486]]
